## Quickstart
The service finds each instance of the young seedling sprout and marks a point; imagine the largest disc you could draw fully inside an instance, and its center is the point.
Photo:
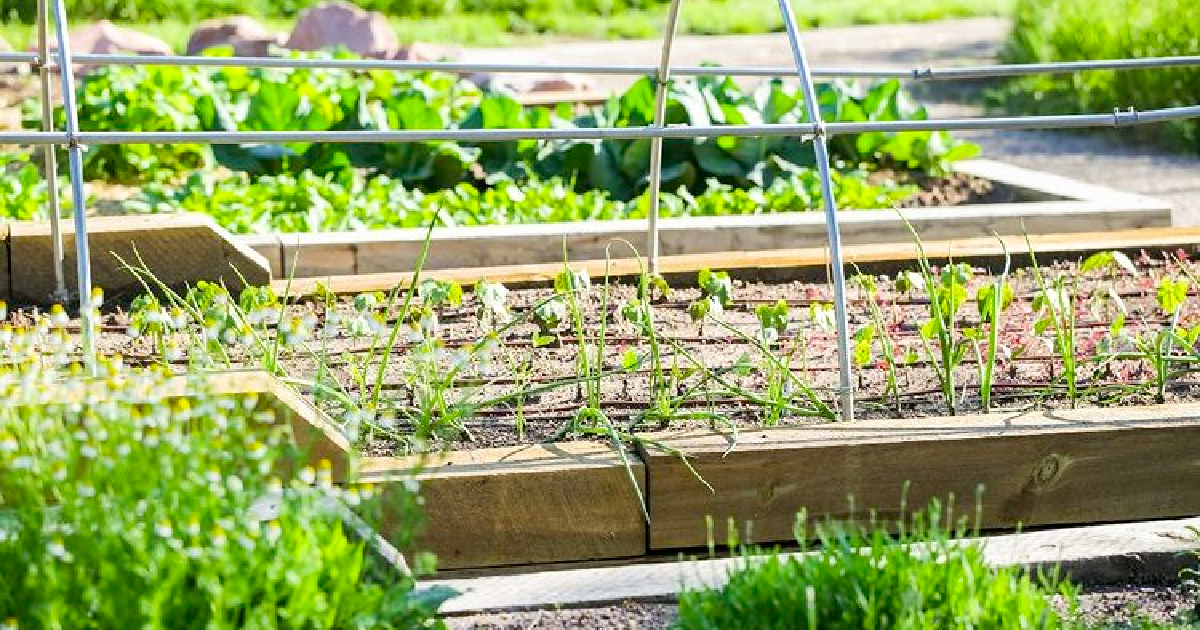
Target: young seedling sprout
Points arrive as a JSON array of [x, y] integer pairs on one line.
[[716, 294]]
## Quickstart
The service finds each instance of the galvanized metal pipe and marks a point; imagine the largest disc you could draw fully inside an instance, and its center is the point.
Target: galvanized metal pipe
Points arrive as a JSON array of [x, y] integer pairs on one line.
[[662, 81], [75, 162], [49, 159], [916, 74], [813, 109], [1119, 118]]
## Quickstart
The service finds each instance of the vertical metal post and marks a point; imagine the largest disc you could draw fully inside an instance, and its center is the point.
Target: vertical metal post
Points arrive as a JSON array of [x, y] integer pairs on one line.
[[845, 389], [49, 158], [660, 112], [75, 158]]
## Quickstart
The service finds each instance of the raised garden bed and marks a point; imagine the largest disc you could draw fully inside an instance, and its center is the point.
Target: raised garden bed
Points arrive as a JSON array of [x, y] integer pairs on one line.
[[1019, 201], [750, 416]]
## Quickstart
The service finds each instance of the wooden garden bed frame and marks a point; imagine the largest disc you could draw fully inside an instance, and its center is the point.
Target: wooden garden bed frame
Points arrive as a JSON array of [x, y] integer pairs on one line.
[[1048, 204]]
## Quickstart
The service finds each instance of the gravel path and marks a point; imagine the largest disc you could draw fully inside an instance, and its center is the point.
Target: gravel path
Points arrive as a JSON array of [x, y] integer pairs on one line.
[[1100, 158], [1103, 608], [895, 45]]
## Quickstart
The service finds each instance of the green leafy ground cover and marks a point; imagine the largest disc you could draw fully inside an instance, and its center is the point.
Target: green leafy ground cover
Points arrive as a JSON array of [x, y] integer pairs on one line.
[[1070, 30], [313, 187], [863, 577], [238, 99], [122, 508]]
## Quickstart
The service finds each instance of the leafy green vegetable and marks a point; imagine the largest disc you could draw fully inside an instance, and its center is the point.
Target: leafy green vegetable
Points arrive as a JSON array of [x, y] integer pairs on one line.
[[716, 285], [162, 98], [349, 201]]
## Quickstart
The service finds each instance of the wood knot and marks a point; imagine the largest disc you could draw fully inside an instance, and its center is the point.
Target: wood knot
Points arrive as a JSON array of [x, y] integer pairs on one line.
[[766, 494], [1047, 472]]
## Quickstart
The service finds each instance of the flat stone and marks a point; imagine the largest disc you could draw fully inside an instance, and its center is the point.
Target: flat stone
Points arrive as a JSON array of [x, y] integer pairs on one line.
[[564, 82]]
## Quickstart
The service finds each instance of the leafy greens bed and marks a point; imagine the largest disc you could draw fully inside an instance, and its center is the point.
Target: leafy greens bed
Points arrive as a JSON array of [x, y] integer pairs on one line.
[[347, 186]]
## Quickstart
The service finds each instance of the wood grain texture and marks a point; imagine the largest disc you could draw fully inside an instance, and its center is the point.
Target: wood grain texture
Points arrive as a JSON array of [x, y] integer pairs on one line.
[[178, 249], [1078, 466], [522, 505], [5, 276], [798, 262], [397, 250], [315, 436]]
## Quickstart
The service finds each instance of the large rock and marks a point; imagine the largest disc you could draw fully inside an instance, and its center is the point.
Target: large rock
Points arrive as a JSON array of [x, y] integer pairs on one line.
[[563, 83], [106, 38], [417, 51], [333, 24], [247, 36], [531, 83]]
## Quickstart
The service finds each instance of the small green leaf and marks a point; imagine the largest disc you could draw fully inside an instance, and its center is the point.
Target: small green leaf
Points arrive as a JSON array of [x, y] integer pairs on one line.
[[573, 280], [716, 284], [863, 338], [630, 361], [823, 316], [1117, 325], [1172, 294], [433, 292], [773, 317], [1099, 260], [909, 281], [743, 366]]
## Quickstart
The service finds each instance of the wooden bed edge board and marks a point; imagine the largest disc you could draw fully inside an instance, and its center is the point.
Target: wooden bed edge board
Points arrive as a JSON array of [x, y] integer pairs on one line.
[[249, 253], [5, 263], [415, 237], [561, 503], [1129, 467], [962, 249], [974, 426], [313, 426], [527, 458]]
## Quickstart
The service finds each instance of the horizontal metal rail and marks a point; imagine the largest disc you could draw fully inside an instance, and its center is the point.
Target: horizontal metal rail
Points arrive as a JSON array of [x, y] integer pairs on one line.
[[1119, 118], [914, 74]]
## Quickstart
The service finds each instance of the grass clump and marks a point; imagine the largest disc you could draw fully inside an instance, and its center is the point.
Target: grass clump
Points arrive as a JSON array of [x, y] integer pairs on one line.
[[860, 577], [123, 508], [1072, 30]]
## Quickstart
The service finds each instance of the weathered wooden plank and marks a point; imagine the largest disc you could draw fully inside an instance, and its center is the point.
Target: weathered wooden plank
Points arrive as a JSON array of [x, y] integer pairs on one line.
[[316, 437], [741, 262], [531, 504], [1062, 467], [178, 249], [397, 250], [270, 247], [5, 275]]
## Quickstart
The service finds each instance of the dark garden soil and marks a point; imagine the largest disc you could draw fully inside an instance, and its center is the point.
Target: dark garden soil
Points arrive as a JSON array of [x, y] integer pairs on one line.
[[456, 392]]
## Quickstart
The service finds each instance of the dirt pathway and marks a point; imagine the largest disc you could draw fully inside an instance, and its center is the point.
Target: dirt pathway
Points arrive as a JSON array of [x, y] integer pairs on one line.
[[1098, 158], [903, 45]]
